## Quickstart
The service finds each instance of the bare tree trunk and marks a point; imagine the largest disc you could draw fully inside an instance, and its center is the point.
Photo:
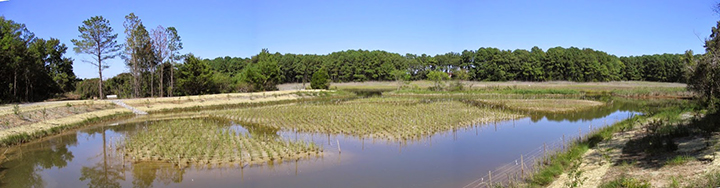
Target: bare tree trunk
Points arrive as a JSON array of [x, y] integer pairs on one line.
[[152, 84], [15, 83], [100, 73], [27, 84], [136, 79], [100, 81], [161, 80], [172, 78]]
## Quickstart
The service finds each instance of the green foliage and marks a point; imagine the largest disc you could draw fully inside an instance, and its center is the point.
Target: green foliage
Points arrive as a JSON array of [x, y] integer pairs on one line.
[[222, 83], [97, 40], [194, 77], [31, 69], [625, 182], [680, 160], [558, 164], [703, 76], [262, 73], [438, 78], [575, 175], [16, 109], [120, 85], [87, 88], [320, 80]]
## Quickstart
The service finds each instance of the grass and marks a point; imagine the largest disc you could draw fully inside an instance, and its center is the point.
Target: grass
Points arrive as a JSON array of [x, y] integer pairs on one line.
[[711, 179], [680, 160], [626, 182], [391, 118], [562, 161], [544, 105], [23, 137], [28, 115], [210, 141]]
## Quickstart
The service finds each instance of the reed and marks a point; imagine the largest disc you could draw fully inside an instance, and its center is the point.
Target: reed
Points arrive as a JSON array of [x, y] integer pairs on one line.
[[390, 118], [209, 141]]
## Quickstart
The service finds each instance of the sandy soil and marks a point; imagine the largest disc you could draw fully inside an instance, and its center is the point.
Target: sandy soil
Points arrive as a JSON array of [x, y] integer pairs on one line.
[[607, 162], [50, 123]]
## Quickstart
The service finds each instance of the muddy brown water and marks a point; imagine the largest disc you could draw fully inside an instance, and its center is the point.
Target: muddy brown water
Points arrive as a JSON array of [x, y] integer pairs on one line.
[[455, 158]]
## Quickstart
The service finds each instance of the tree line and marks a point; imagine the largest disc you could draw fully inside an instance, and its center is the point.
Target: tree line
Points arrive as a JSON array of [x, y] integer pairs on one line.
[[32, 68], [35, 69], [484, 64]]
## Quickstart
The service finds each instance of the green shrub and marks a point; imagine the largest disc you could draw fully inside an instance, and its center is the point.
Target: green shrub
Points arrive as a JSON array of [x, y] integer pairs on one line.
[[320, 80]]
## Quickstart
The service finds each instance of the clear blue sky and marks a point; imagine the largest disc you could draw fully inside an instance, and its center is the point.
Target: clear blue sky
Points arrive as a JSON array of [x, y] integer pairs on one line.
[[211, 28]]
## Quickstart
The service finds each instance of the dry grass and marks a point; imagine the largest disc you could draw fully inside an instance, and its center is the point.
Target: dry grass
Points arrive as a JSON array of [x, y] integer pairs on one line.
[[384, 118], [210, 141], [27, 115], [168, 103]]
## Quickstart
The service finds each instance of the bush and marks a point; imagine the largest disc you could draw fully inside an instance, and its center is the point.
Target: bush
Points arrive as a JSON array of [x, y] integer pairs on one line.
[[320, 80], [87, 88]]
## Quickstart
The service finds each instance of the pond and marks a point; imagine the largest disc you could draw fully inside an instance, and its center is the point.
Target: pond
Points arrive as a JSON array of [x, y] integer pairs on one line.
[[455, 158]]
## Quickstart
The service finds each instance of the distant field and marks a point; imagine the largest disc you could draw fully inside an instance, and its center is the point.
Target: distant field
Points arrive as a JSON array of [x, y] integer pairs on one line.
[[624, 88], [477, 85]]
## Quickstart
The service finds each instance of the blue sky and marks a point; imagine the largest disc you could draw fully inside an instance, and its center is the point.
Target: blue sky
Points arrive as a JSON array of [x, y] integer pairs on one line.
[[212, 28]]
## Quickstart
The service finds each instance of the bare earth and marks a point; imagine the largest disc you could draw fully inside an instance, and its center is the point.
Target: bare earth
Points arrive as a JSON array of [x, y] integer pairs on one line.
[[606, 162]]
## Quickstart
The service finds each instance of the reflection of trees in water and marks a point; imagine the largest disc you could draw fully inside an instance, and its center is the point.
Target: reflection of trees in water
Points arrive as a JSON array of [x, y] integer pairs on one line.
[[590, 114], [107, 172], [110, 170], [22, 166], [144, 174]]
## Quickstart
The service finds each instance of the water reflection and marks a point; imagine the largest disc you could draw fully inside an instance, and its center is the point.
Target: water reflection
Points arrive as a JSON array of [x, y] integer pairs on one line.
[[104, 173], [27, 162], [448, 159], [589, 114]]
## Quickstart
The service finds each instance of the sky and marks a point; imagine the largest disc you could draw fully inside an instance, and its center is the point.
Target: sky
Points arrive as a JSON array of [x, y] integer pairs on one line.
[[213, 28]]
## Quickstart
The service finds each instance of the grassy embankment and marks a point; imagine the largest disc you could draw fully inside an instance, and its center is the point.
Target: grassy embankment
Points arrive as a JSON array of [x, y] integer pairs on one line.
[[210, 141], [23, 123], [651, 149]]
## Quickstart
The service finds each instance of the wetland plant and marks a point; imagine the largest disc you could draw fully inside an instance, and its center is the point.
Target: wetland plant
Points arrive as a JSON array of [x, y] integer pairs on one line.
[[209, 141]]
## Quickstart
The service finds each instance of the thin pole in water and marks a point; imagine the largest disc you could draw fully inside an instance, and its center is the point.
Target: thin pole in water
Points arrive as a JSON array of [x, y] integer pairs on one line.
[[490, 177], [522, 167], [338, 143], [544, 151]]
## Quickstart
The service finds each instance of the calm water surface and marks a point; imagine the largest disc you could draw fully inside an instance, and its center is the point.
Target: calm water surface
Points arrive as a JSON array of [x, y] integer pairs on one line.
[[455, 158]]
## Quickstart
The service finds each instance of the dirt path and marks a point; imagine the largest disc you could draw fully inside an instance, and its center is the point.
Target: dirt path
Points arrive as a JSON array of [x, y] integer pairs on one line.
[[134, 110]]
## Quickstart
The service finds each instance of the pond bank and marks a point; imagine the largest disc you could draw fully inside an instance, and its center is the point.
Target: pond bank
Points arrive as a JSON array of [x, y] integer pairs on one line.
[[43, 119]]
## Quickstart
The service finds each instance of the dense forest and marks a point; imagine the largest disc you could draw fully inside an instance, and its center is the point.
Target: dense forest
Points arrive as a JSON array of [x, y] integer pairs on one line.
[[31, 68], [35, 69], [484, 64]]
